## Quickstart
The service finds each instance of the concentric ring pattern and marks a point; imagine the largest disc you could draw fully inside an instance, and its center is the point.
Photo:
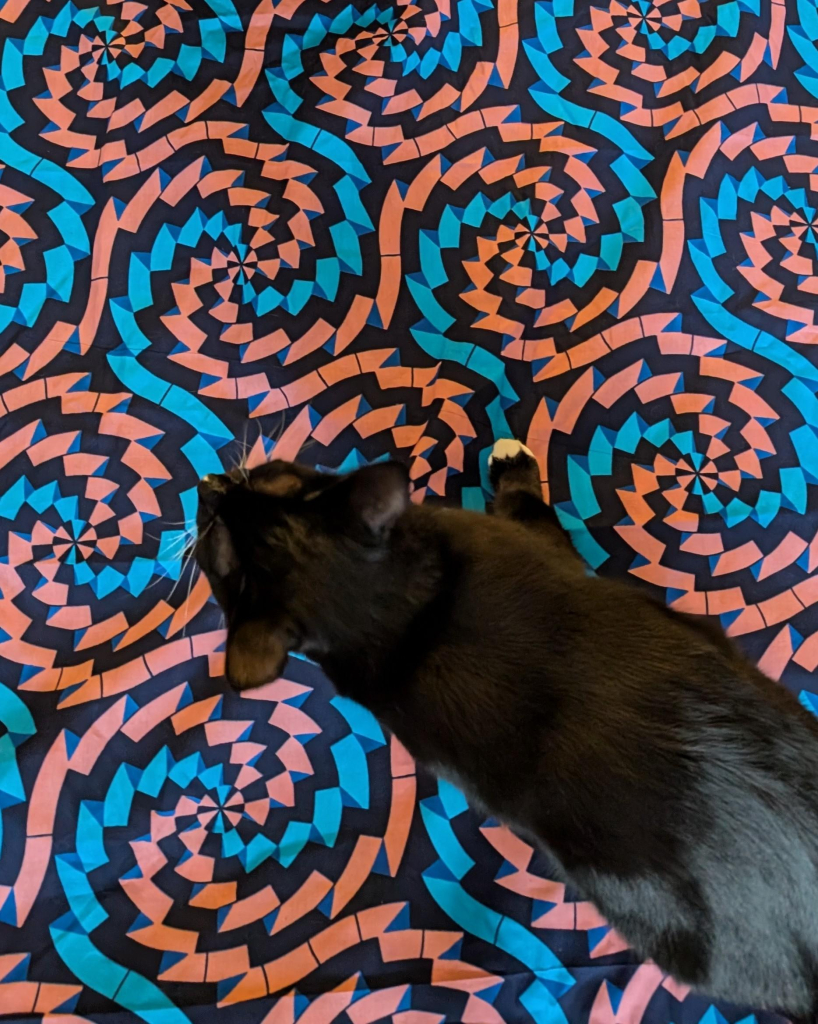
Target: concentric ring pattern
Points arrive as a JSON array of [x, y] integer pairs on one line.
[[347, 230]]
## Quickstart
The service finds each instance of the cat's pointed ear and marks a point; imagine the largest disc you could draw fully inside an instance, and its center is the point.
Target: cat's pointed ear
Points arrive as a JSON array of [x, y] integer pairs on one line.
[[379, 494], [256, 652]]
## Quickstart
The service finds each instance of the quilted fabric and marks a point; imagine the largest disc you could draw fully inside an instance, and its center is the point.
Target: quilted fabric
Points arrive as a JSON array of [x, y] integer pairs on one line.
[[354, 230]]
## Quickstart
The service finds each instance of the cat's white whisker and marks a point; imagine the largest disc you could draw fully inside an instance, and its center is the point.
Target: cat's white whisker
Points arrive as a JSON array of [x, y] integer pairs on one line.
[[186, 562], [178, 546], [241, 465], [187, 598]]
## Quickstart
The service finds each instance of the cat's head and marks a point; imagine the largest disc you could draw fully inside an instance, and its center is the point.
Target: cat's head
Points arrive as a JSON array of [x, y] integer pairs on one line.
[[273, 542]]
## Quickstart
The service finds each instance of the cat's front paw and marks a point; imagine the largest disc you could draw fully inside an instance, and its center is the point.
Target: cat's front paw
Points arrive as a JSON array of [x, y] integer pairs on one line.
[[511, 464]]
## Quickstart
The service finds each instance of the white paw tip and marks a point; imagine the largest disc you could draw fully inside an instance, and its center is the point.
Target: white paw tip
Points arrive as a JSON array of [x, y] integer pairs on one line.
[[508, 448]]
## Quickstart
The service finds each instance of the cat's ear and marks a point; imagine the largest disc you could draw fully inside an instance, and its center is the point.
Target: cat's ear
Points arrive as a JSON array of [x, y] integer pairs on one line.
[[256, 652], [378, 495]]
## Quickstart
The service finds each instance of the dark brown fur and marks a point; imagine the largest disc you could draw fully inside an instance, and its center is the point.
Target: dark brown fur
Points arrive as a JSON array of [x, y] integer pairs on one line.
[[673, 783]]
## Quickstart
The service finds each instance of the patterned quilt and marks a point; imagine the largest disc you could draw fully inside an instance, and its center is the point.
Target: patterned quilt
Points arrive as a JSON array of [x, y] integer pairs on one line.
[[350, 230]]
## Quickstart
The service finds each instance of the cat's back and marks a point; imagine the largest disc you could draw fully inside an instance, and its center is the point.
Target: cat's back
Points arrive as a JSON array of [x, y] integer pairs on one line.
[[673, 782], [623, 695], [524, 615]]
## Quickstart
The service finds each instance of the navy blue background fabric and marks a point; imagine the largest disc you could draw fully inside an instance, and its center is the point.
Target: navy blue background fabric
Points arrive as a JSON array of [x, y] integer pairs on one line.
[[345, 231]]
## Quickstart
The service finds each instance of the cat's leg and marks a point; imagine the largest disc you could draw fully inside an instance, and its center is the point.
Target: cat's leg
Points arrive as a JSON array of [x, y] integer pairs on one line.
[[515, 477]]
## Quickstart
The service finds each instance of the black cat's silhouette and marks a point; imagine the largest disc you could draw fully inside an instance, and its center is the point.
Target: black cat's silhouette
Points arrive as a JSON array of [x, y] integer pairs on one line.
[[673, 784]]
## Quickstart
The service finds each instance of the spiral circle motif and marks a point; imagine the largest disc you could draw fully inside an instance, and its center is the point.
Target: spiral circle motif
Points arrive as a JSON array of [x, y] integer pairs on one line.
[[343, 232]]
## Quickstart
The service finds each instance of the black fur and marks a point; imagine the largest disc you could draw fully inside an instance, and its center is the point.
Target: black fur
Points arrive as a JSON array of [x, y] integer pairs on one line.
[[674, 784]]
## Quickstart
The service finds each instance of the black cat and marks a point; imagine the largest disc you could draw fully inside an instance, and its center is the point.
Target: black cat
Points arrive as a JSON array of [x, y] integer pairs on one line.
[[675, 786]]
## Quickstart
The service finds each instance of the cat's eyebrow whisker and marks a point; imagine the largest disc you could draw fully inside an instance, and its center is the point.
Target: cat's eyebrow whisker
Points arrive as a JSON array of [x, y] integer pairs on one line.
[[280, 431], [262, 438], [310, 441], [241, 465], [274, 436]]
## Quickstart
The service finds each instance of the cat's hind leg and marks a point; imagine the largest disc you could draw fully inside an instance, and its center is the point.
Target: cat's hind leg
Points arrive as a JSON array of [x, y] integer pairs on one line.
[[515, 477]]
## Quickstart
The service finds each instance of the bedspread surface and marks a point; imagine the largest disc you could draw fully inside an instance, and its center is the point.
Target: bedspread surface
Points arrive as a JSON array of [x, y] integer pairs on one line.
[[347, 231]]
